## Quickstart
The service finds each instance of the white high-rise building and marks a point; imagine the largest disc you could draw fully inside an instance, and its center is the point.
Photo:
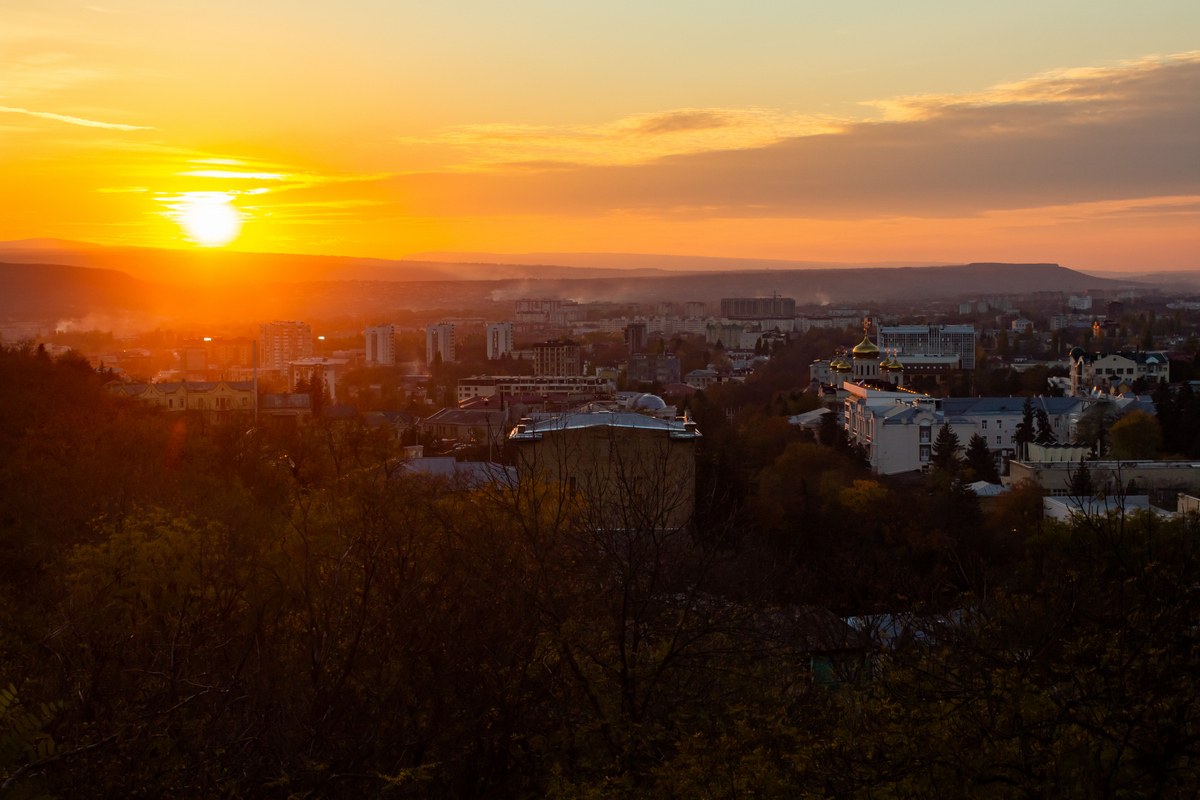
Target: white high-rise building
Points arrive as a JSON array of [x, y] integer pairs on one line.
[[931, 340], [381, 345], [439, 340], [280, 342], [499, 340]]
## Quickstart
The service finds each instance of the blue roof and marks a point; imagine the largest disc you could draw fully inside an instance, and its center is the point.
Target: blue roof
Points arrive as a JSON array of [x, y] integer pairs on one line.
[[968, 406]]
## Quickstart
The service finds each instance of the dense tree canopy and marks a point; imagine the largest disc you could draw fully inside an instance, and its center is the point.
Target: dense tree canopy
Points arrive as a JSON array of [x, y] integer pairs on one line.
[[195, 608]]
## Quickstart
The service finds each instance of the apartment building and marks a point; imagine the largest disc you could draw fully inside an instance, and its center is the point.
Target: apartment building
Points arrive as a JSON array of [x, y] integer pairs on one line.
[[283, 341]]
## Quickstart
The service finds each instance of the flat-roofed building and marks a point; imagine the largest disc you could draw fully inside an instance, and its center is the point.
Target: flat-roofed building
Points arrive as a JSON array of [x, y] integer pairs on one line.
[[930, 340], [1162, 481], [620, 470], [381, 345], [557, 358], [755, 308], [315, 370], [651, 367], [478, 426], [499, 340], [439, 341], [572, 387], [636, 335], [283, 341], [286, 406]]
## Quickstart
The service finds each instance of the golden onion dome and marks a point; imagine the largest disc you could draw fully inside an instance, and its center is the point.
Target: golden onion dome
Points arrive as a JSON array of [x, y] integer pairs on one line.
[[886, 364], [839, 363], [896, 365], [865, 349]]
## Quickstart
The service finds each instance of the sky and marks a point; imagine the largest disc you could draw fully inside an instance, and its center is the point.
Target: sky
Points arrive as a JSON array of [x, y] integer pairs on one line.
[[852, 131]]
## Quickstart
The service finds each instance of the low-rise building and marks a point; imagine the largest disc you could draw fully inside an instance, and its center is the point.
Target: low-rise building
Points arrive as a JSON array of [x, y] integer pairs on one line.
[[574, 387], [621, 468], [898, 428], [316, 370], [286, 406], [1115, 373], [209, 396], [702, 378], [480, 426], [1162, 481]]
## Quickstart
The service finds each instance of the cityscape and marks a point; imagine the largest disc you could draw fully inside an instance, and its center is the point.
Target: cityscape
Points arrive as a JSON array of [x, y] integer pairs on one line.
[[635, 402]]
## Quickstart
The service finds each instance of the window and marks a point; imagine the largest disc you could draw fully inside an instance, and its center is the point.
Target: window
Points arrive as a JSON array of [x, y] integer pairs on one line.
[[998, 438], [985, 424], [998, 425], [924, 452], [925, 434]]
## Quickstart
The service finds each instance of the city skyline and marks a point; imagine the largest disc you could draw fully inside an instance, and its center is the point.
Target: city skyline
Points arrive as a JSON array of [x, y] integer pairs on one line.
[[932, 133]]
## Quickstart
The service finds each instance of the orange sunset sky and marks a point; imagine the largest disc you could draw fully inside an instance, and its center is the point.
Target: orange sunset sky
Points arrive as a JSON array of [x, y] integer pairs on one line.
[[945, 131]]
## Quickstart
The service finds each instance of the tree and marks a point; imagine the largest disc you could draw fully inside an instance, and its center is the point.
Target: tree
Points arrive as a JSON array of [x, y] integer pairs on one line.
[[1081, 484], [1136, 435], [945, 448], [1093, 427], [1025, 431], [1002, 344], [978, 459], [1045, 434]]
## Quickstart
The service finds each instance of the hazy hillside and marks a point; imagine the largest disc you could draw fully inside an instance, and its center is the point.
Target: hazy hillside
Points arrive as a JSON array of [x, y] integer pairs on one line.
[[652, 261], [197, 266], [40, 291]]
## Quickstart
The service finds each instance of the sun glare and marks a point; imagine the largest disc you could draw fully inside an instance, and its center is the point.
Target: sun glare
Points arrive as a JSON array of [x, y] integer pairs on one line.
[[209, 218]]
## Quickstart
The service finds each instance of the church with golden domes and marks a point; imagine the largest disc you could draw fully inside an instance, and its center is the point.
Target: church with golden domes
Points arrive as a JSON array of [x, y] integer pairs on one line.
[[863, 363]]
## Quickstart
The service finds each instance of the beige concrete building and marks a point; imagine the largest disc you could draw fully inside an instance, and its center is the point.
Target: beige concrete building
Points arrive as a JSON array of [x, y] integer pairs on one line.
[[283, 341], [1160, 480], [622, 469], [557, 359], [573, 387], [1116, 372]]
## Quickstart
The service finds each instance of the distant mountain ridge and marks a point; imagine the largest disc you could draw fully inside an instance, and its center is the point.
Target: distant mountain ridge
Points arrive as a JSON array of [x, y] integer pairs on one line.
[[30, 291], [656, 261], [192, 266]]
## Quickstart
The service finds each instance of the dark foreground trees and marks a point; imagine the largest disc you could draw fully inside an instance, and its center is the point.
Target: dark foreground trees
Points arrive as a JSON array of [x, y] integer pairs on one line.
[[200, 610]]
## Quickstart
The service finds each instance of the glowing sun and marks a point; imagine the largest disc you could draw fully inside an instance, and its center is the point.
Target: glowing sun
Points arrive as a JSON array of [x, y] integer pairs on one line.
[[209, 218]]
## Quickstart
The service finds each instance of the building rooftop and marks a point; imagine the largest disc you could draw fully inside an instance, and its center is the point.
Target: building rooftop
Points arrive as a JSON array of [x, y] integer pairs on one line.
[[533, 430], [1078, 354], [467, 416], [295, 400], [968, 406], [465, 474]]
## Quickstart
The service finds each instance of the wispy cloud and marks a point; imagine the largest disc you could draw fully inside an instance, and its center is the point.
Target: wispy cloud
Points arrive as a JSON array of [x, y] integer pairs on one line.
[[87, 123], [1063, 86], [632, 140], [1059, 139], [218, 173]]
